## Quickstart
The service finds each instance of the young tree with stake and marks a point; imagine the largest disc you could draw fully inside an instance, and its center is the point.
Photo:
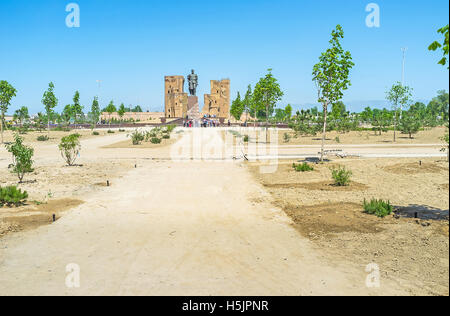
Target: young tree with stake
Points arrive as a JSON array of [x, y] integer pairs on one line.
[[331, 76], [266, 95], [50, 102], [7, 92], [400, 97]]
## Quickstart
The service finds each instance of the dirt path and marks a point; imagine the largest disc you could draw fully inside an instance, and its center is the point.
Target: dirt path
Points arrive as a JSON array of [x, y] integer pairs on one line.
[[167, 228]]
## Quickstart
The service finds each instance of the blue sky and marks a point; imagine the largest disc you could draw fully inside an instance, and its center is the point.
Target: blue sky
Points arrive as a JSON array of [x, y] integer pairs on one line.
[[131, 45]]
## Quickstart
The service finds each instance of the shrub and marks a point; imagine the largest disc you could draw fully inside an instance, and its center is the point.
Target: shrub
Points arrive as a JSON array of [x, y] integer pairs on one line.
[[287, 137], [155, 140], [246, 138], [166, 136], [95, 133], [43, 138], [379, 208], [171, 128], [12, 196], [61, 129], [111, 132], [137, 137], [22, 157], [122, 131], [304, 167], [341, 176], [337, 139], [70, 148]]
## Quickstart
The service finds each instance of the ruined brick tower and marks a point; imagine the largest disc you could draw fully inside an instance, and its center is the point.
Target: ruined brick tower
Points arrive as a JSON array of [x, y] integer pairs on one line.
[[176, 101], [218, 102]]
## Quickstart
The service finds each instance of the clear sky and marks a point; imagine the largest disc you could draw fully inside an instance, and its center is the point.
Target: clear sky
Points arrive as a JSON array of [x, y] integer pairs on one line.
[[132, 44]]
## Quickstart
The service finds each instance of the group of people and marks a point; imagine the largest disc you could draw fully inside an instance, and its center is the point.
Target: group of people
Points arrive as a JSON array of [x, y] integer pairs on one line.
[[206, 121]]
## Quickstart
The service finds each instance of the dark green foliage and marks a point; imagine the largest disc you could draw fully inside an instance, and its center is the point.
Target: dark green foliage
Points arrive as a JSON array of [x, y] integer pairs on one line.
[[155, 140], [43, 138], [137, 137], [12, 196], [110, 132], [246, 138], [379, 208], [95, 133], [22, 157], [304, 167], [341, 176]]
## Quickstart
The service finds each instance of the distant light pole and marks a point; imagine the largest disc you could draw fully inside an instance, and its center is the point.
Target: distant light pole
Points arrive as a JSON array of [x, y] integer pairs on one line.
[[404, 49]]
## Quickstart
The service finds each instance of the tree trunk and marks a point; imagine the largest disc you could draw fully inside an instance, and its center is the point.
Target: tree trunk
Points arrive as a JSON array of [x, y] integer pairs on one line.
[[325, 113], [1, 125], [267, 123]]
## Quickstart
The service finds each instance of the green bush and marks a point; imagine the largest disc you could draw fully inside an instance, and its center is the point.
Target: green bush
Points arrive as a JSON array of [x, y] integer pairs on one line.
[[156, 140], [22, 157], [70, 148], [287, 137], [304, 167], [246, 138], [95, 133], [122, 131], [379, 208], [341, 176], [171, 128], [137, 137], [111, 132], [43, 138], [12, 196], [166, 136]]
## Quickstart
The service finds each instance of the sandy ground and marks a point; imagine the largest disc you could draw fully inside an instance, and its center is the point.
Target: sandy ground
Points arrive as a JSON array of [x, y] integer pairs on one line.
[[428, 136], [166, 228], [412, 252]]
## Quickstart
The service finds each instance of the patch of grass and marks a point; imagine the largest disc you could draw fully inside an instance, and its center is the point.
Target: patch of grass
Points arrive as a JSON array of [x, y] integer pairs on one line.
[[303, 167], [137, 137], [287, 137], [155, 140], [379, 208], [341, 176], [12, 196], [42, 138]]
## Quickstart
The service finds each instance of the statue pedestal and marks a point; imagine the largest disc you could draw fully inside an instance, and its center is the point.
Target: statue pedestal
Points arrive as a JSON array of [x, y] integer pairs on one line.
[[193, 110]]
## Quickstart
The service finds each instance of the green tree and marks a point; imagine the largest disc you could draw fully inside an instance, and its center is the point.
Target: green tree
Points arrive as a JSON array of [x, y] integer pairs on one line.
[[266, 95], [77, 108], [248, 101], [7, 92], [288, 111], [110, 109], [121, 112], [67, 114], [21, 115], [331, 76], [22, 157], [50, 102], [409, 123], [444, 46], [237, 108], [70, 148], [95, 112], [400, 98]]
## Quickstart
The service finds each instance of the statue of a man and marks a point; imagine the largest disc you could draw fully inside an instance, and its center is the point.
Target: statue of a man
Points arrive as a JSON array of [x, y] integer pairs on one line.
[[193, 83]]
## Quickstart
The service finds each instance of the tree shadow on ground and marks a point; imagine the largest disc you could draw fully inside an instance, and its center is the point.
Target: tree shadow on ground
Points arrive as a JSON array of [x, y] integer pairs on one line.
[[423, 212], [315, 160]]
